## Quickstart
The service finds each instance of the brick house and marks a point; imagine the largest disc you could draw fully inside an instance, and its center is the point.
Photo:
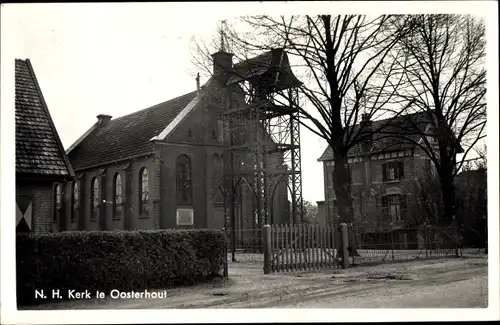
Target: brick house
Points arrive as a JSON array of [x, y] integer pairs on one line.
[[161, 167], [42, 166], [384, 172]]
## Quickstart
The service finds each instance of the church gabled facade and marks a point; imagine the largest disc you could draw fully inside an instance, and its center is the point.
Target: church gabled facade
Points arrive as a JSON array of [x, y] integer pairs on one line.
[[161, 167]]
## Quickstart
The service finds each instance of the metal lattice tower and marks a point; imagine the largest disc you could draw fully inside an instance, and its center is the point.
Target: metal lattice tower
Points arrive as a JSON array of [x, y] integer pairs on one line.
[[263, 142]]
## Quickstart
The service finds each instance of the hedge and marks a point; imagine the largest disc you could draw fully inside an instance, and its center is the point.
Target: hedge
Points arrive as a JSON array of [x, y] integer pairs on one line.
[[123, 260]]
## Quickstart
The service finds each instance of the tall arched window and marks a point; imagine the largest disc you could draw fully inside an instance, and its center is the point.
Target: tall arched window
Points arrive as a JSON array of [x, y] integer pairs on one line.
[[144, 192], [94, 212], [218, 167], [57, 202], [183, 171], [75, 201], [117, 196], [218, 178]]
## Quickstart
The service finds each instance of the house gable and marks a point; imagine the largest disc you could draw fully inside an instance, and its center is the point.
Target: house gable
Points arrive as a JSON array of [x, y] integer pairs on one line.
[[39, 151]]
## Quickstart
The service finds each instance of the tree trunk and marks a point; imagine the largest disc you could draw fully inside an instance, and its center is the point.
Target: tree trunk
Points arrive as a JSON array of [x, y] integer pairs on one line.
[[341, 178], [448, 192]]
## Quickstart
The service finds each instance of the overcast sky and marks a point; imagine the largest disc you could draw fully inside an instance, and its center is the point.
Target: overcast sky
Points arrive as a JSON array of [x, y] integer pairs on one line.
[[115, 59]]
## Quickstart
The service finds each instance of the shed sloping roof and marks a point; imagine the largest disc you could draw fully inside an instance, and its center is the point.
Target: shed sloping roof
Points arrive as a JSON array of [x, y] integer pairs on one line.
[[38, 148], [126, 136]]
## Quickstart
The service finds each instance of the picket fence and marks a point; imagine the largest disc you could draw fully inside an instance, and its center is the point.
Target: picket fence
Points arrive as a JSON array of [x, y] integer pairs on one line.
[[298, 247]]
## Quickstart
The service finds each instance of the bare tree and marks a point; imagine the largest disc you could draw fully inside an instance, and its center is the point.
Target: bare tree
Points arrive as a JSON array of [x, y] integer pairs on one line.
[[425, 202], [343, 63], [310, 212], [445, 79]]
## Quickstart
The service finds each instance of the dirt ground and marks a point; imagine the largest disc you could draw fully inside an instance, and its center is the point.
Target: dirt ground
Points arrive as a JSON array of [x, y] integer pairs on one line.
[[436, 283]]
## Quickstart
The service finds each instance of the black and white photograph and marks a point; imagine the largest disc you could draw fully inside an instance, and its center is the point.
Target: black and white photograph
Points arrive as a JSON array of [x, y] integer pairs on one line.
[[249, 161]]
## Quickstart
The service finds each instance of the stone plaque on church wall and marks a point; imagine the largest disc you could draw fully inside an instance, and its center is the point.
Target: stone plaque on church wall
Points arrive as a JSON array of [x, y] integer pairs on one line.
[[185, 217]]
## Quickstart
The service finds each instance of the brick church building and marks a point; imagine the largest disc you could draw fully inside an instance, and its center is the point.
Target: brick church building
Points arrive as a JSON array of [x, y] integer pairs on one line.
[[163, 166]]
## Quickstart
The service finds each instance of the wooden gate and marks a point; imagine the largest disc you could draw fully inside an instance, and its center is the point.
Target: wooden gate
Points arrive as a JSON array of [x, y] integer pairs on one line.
[[298, 247]]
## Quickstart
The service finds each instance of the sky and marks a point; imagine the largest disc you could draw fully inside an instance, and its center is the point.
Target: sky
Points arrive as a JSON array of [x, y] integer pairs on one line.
[[119, 58]]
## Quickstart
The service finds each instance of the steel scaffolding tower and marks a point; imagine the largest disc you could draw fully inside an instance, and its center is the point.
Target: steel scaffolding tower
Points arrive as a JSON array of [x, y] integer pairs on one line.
[[262, 142]]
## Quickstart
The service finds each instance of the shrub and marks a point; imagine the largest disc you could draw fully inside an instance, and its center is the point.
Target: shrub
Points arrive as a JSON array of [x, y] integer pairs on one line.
[[123, 260]]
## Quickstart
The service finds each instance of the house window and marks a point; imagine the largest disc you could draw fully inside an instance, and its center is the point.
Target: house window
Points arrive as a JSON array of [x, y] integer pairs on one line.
[[393, 171], [117, 196], [57, 202], [395, 206], [214, 135], [75, 201], [190, 133], [183, 180], [144, 192], [95, 197], [356, 173]]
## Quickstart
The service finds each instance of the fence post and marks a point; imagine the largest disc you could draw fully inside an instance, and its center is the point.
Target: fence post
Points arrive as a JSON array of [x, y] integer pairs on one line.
[[345, 245], [456, 235], [392, 240], [226, 266], [266, 230], [426, 241]]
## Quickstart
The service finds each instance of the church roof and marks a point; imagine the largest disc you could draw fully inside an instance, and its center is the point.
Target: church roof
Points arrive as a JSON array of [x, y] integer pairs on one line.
[[39, 151], [127, 136]]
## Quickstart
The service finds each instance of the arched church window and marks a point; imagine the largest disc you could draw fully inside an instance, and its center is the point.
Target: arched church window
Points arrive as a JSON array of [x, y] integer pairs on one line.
[[95, 198], [144, 191], [75, 194], [57, 202], [183, 178], [117, 196]]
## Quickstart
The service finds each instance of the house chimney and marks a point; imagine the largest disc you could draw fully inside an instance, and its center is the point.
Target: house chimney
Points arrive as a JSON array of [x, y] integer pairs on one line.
[[367, 129], [198, 82], [103, 119], [223, 64]]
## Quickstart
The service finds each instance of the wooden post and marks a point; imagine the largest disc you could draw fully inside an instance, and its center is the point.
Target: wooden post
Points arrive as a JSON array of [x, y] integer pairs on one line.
[[456, 235], [345, 245], [267, 248], [392, 240], [226, 266]]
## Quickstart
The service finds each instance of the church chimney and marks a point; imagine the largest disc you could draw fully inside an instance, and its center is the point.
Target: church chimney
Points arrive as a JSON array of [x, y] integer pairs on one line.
[[103, 119], [223, 64]]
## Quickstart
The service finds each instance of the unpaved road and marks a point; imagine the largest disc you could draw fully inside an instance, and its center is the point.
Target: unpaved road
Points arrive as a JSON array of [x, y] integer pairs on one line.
[[447, 283]]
